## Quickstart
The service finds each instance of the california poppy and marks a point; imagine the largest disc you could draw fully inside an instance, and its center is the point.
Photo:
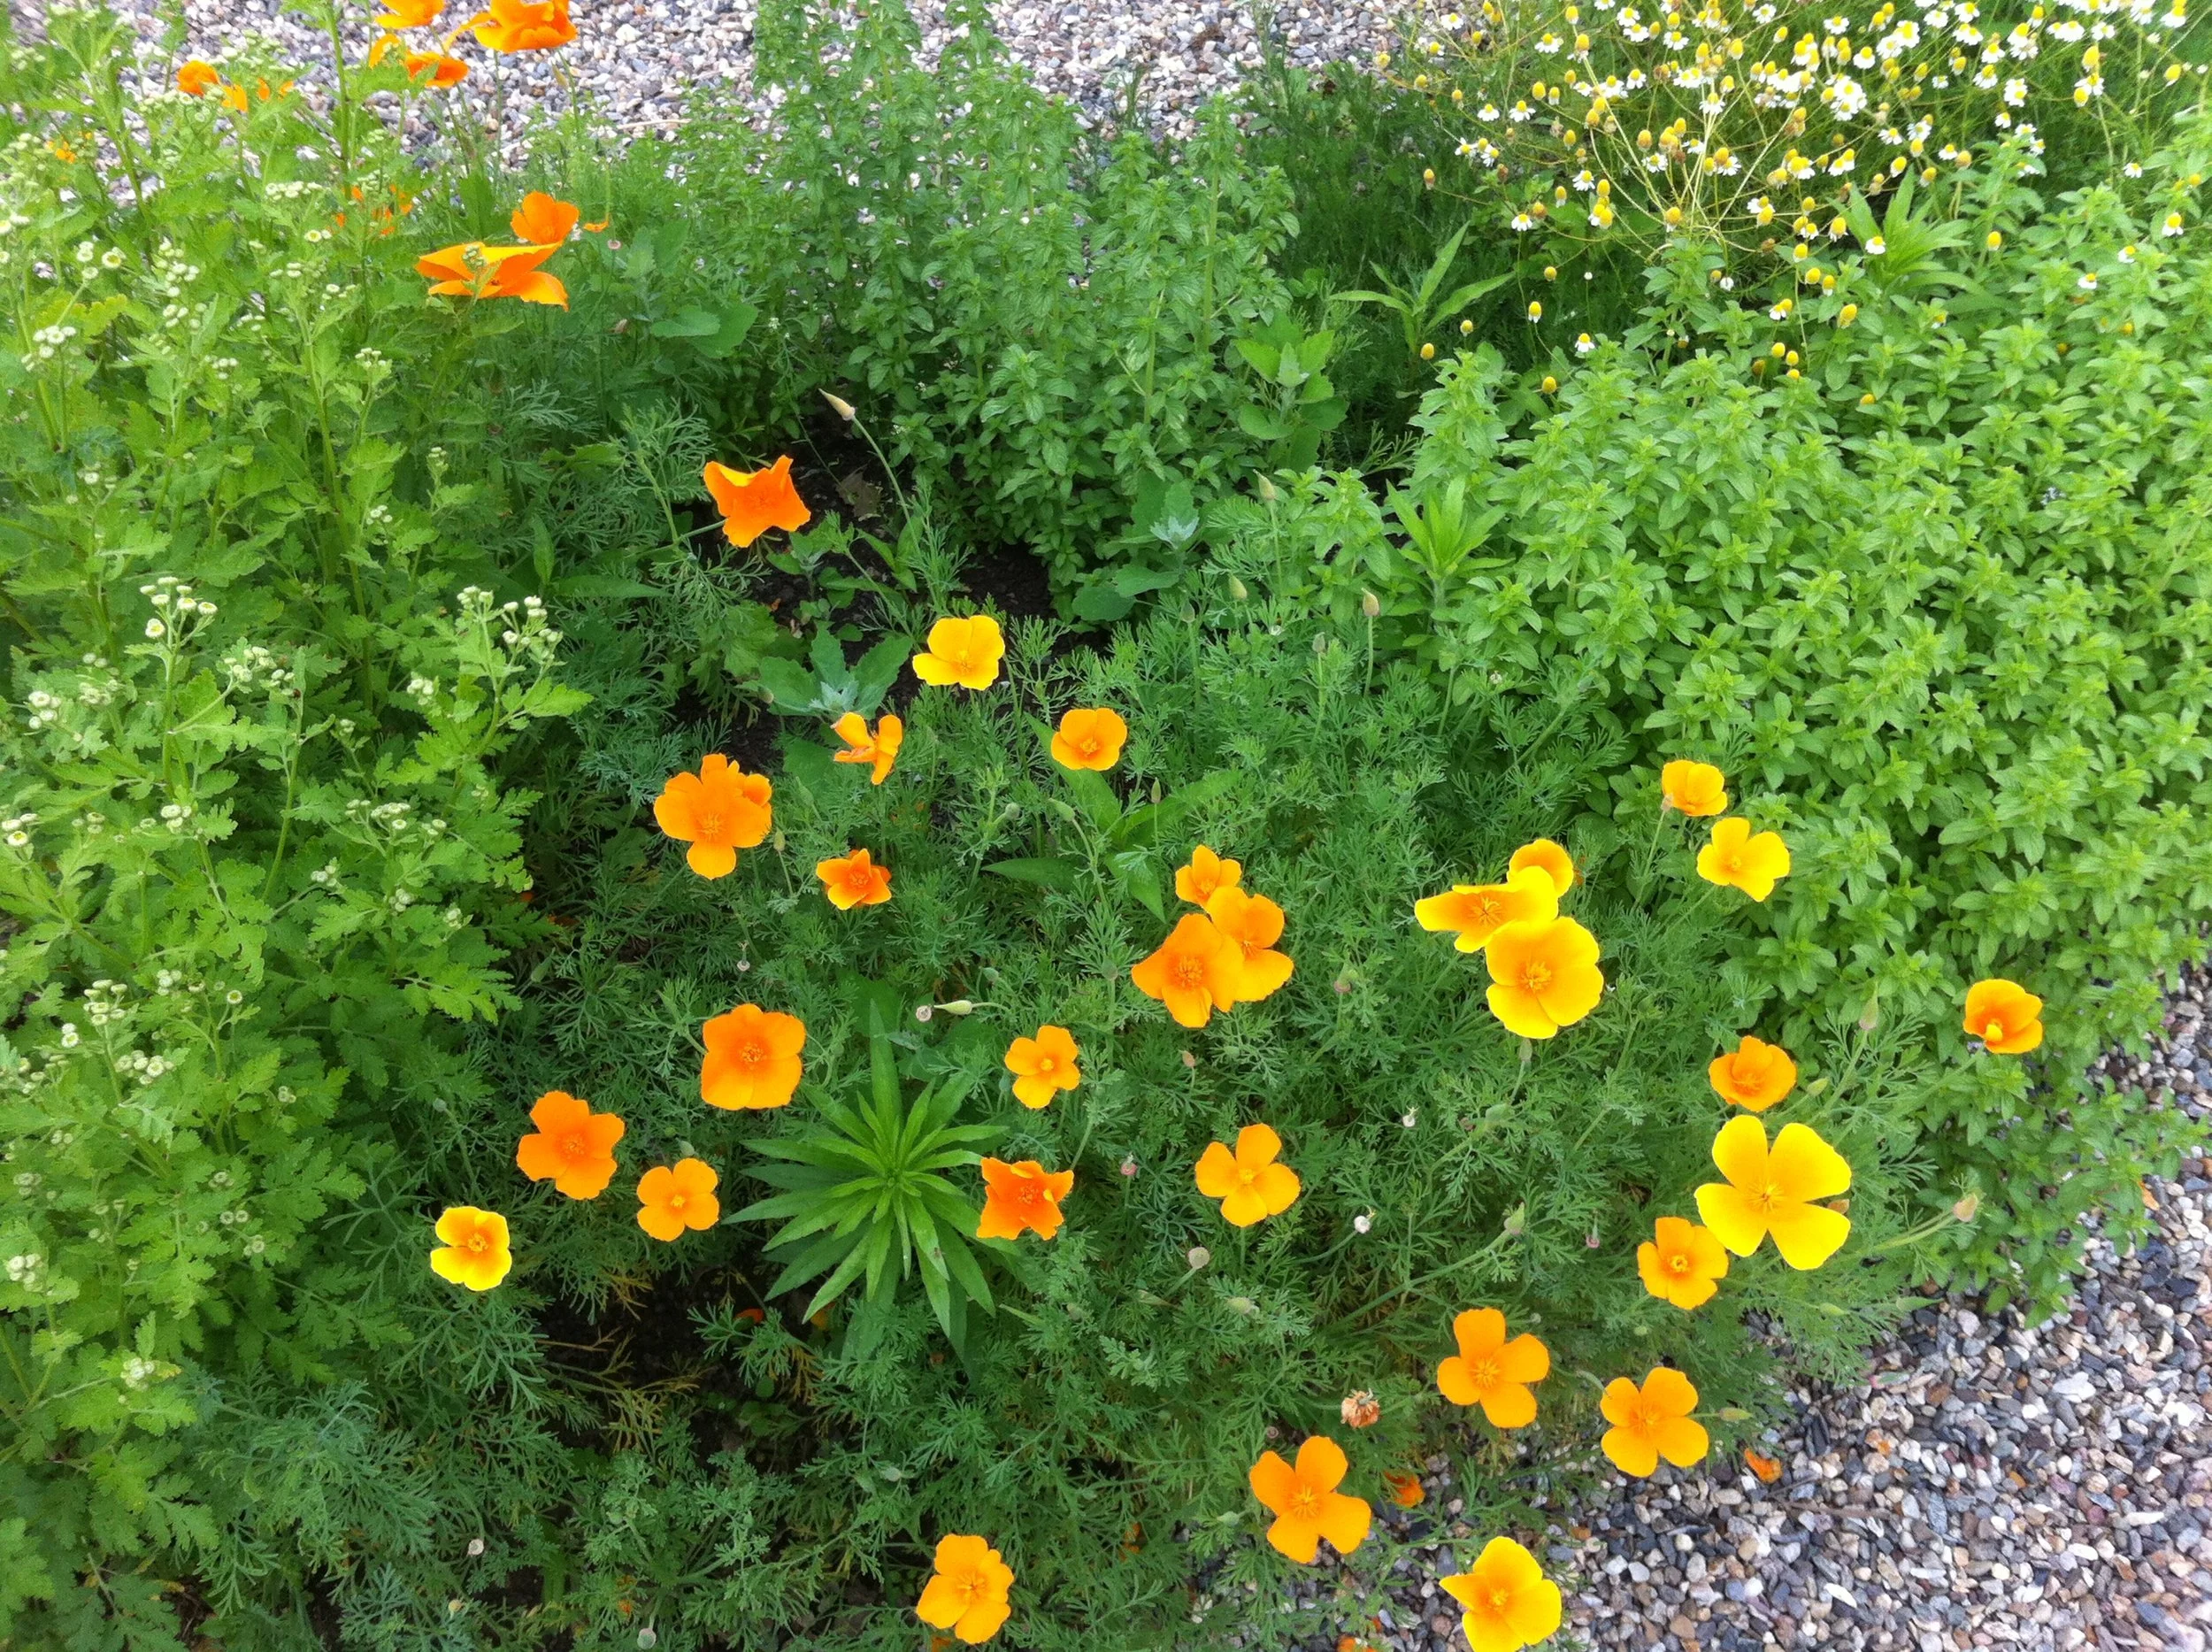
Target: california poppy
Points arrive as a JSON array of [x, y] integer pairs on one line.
[[1306, 1504], [1544, 975], [1492, 1373], [573, 1147], [1044, 1066], [752, 1059], [852, 880], [719, 810], [1021, 1196], [197, 79], [1652, 1422], [2005, 1016], [1681, 1263], [1404, 1487], [1090, 739], [1476, 911], [671, 1199], [967, 1593], [1737, 859], [880, 749], [474, 1247], [1195, 972], [543, 221], [1254, 923], [1207, 873], [1251, 1184], [1693, 788], [1553, 858], [437, 71], [1773, 1191], [1767, 1469], [753, 502], [408, 13], [1510, 1604], [963, 651], [1754, 1074], [508, 25], [472, 270]]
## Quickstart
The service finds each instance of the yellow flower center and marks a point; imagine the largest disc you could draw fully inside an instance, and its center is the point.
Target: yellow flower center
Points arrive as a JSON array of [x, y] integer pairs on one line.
[[1678, 1263], [1088, 744], [750, 1055], [476, 1242], [675, 1202], [1483, 1372], [1500, 1597], [1732, 862], [1994, 1030], [1536, 977], [1024, 1194], [710, 825], [574, 1146], [1305, 1503], [1046, 1064], [1486, 909], [1188, 970]]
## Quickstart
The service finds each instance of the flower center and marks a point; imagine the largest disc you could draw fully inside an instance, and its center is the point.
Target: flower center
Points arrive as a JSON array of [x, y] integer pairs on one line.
[[1484, 1371], [1536, 977], [476, 1242], [1500, 1597], [1732, 862], [1025, 1194], [1188, 970], [750, 1055], [1487, 908], [675, 1202], [1305, 1503], [574, 1146], [1994, 1030], [1088, 744], [1045, 1064], [710, 825], [1678, 1263]]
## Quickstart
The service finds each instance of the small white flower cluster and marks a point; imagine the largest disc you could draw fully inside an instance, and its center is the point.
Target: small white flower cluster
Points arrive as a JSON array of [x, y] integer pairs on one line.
[[16, 829], [145, 1068], [44, 342], [249, 666], [166, 593], [138, 1371], [104, 1002], [27, 1268]]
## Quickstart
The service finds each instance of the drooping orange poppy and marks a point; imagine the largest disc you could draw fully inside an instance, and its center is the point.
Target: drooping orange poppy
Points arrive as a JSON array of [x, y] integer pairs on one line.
[[1206, 874], [1021, 1196], [2005, 1016], [510, 26], [1306, 1504], [1552, 857], [1774, 1191], [1490, 1372], [1195, 972], [967, 1593], [197, 79], [1693, 788], [719, 810], [1254, 923], [852, 880], [1251, 1184], [1681, 1263], [472, 270], [233, 98], [473, 1250], [438, 70], [673, 1199], [963, 651], [1767, 1469], [753, 502], [1090, 739], [1737, 858], [1544, 975], [1509, 1602], [880, 749], [1652, 1422], [1044, 1066], [1404, 1486], [573, 1147], [543, 221], [1752, 1075], [752, 1060], [408, 13], [1476, 911]]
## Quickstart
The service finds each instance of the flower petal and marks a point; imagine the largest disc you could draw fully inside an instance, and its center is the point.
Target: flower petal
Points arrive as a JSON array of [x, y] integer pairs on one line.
[[1807, 1235]]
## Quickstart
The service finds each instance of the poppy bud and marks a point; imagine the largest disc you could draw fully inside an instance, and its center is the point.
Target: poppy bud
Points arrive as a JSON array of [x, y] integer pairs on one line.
[[839, 406], [1190, 1060], [1243, 1305], [1370, 604], [923, 1011], [1516, 1220], [1198, 1256], [476, 1547], [1267, 490], [1237, 589], [1870, 1017], [1129, 1167], [646, 1640], [1967, 1209], [958, 1006]]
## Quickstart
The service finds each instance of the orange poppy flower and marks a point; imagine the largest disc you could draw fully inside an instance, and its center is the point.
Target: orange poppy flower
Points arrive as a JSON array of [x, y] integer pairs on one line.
[[408, 13], [719, 810], [1492, 1373], [1652, 1422], [1254, 923], [233, 98], [2005, 1016], [1043, 1066], [1405, 1488], [671, 1200], [197, 79], [1195, 972], [1553, 858], [963, 651], [437, 71], [1754, 1074], [1773, 1192], [574, 1146], [967, 1593], [1737, 859], [1693, 788], [1476, 911], [1251, 1184], [1022, 1196], [752, 1059], [1206, 874], [1306, 1504], [1089, 740], [1681, 1263], [753, 502], [881, 748], [852, 880], [1510, 1604], [543, 221], [508, 25], [1544, 975], [472, 270], [472, 1248], [1767, 1469]]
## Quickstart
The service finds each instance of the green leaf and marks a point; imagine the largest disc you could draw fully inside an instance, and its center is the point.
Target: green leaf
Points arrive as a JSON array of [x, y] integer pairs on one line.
[[1053, 874]]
